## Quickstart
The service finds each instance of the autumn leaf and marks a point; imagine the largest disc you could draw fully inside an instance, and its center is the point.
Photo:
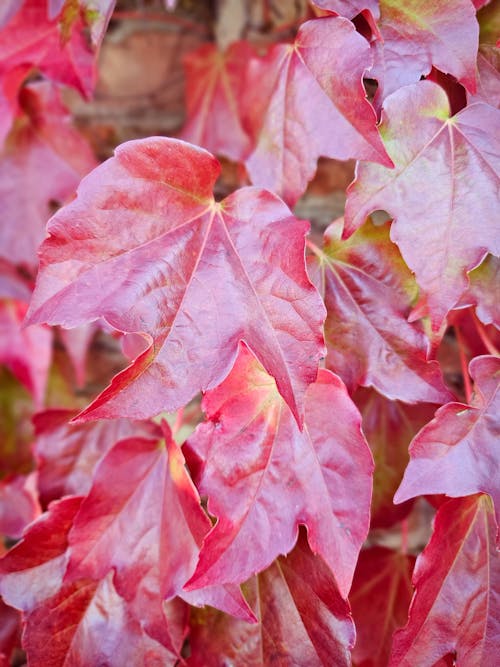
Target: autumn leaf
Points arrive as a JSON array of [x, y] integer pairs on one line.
[[380, 597], [455, 608], [299, 109], [303, 619], [368, 292], [45, 156], [215, 87], [146, 247], [445, 230], [264, 477], [460, 438]]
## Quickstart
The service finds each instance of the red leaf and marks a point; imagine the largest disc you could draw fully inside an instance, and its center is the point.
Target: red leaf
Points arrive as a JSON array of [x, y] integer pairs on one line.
[[215, 86], [10, 635], [420, 33], [264, 477], [67, 454], [81, 614], [455, 608], [26, 352], [145, 246], [457, 452], [446, 230], [302, 109], [45, 156], [142, 518], [57, 47], [380, 597], [368, 290], [389, 427], [19, 504], [88, 623], [303, 620]]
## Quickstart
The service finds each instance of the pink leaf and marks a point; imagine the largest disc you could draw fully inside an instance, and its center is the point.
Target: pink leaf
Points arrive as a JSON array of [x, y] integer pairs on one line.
[[264, 477], [446, 230], [145, 246]]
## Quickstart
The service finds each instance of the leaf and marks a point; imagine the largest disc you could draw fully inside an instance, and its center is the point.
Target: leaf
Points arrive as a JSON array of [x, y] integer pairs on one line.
[[484, 291], [215, 86], [58, 48], [145, 246], [349, 8], [420, 33], [94, 627], [95, 15], [45, 156], [441, 226], [460, 438], [389, 427], [10, 621], [19, 504], [142, 518], [455, 608], [67, 454], [82, 614], [303, 620], [380, 597], [488, 75], [301, 109], [25, 352], [368, 291], [264, 477]]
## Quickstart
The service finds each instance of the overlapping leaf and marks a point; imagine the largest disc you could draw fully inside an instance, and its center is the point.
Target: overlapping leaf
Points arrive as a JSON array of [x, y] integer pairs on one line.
[[57, 46], [142, 518], [215, 87], [303, 620], [67, 454], [457, 452], [263, 476], [441, 225], [368, 291], [389, 426], [307, 100], [414, 36], [380, 597], [484, 291], [79, 615], [19, 504], [145, 246], [456, 607], [45, 157]]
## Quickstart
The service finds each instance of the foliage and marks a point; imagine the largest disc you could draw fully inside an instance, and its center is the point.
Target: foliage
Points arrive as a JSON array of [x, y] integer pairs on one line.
[[286, 412]]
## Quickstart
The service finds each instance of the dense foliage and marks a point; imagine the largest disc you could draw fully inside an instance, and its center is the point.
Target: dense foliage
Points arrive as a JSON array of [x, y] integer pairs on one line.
[[288, 409]]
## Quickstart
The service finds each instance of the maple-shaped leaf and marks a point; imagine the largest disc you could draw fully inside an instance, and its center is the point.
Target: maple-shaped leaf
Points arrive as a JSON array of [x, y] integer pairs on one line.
[[303, 620], [455, 609], [146, 247], [67, 454], [368, 290], [215, 88], [380, 597], [45, 156], [142, 518], [389, 427], [457, 452], [307, 100], [91, 622], [441, 226], [414, 36], [264, 477], [484, 291], [19, 504], [57, 47], [26, 352]]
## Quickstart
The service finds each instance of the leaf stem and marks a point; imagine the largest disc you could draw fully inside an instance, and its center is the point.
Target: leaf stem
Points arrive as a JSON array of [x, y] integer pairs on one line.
[[463, 363]]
